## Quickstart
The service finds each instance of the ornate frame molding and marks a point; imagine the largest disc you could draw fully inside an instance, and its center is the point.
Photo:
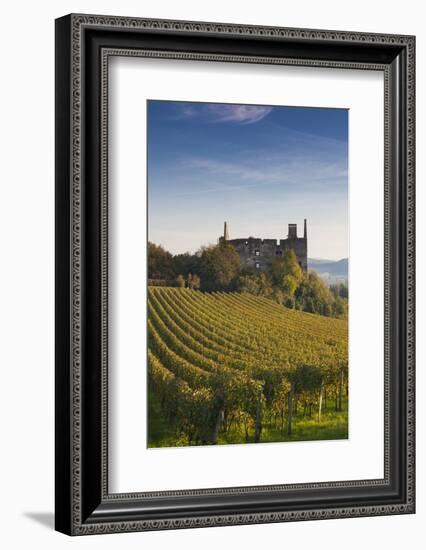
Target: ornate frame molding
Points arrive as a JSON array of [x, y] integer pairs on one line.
[[72, 45]]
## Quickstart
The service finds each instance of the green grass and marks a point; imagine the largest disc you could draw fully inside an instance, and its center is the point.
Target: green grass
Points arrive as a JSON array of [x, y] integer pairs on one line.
[[333, 425], [160, 433]]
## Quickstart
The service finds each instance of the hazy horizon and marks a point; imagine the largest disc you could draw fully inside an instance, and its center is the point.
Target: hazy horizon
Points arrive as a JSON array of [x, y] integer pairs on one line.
[[257, 167]]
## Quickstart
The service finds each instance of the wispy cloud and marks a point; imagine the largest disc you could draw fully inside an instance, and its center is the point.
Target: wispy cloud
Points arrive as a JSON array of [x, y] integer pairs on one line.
[[297, 171], [219, 113], [245, 114], [235, 170]]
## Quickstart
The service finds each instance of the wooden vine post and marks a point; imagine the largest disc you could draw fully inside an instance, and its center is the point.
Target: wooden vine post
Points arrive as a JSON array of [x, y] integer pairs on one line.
[[290, 409], [340, 389], [258, 428], [321, 396]]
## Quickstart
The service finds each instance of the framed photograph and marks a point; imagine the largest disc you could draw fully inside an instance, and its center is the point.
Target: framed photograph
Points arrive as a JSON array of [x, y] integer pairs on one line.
[[234, 274]]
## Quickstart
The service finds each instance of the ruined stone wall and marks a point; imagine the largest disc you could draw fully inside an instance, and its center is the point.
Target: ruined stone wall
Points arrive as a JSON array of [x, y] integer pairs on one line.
[[259, 254]]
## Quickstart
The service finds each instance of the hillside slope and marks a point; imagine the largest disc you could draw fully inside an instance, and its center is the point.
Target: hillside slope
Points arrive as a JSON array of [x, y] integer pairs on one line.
[[216, 355]]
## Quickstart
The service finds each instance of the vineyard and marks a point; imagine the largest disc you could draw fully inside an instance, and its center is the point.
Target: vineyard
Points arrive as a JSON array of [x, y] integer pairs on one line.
[[236, 368]]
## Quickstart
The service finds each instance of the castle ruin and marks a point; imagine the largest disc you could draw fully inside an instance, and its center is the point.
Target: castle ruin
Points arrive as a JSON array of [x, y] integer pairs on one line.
[[259, 253]]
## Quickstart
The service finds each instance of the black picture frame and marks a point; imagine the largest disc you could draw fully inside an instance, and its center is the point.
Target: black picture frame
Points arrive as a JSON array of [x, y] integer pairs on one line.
[[83, 45]]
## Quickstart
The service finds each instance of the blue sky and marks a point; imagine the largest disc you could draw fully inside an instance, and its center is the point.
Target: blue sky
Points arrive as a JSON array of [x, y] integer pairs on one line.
[[257, 167]]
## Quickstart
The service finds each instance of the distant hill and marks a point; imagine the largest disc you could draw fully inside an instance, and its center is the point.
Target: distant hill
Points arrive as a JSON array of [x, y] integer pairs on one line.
[[330, 270]]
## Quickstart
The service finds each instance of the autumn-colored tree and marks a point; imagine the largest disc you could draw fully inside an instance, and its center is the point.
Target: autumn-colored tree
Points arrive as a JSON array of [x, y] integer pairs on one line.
[[284, 266], [180, 281]]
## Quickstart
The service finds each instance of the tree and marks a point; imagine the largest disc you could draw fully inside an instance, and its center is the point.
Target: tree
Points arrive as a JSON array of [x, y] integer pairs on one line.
[[193, 281], [248, 283], [219, 266], [186, 263], [314, 296], [180, 281], [340, 307], [265, 284], [160, 263], [286, 265], [289, 285], [344, 291]]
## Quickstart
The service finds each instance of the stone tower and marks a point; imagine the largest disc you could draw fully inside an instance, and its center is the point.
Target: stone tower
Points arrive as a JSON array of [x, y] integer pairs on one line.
[[225, 232]]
